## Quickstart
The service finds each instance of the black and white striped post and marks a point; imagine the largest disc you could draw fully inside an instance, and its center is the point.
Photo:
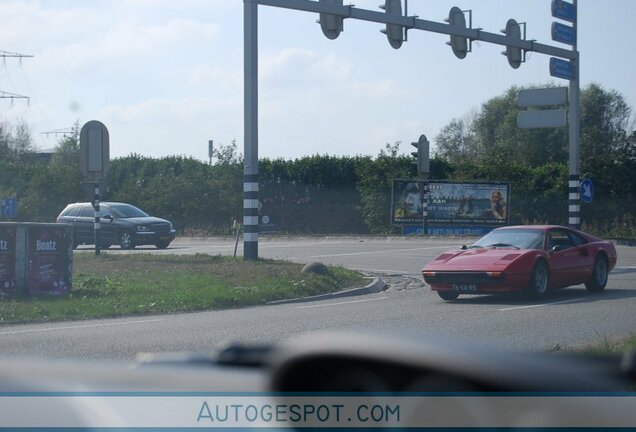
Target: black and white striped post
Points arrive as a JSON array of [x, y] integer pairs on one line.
[[425, 206], [574, 133], [574, 201], [250, 111], [97, 224]]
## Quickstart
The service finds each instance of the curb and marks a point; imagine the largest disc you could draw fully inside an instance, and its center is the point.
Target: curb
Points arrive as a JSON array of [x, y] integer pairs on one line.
[[625, 241], [375, 286]]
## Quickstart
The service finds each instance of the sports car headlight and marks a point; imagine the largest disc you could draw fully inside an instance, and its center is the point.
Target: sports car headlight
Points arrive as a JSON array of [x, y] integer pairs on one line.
[[143, 228]]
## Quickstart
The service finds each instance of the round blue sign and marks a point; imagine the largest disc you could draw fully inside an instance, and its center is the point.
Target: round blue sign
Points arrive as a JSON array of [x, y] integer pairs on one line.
[[587, 191]]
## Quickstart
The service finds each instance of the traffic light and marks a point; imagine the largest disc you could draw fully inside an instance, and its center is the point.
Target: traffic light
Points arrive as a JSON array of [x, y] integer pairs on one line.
[[394, 33], [422, 155], [331, 25], [459, 44], [513, 31]]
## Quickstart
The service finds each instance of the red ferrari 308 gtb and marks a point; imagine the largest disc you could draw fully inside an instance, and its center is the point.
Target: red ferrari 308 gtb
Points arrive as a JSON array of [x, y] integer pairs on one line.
[[532, 258]]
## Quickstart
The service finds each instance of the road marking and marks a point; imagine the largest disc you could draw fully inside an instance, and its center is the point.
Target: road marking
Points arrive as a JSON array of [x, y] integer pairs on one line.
[[542, 304], [392, 272], [78, 327], [341, 303], [380, 251]]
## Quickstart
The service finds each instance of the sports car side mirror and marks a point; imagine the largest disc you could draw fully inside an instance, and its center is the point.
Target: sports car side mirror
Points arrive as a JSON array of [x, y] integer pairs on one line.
[[557, 248], [464, 247]]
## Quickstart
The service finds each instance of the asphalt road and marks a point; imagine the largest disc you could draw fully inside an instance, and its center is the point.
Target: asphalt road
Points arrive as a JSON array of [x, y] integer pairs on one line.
[[568, 318]]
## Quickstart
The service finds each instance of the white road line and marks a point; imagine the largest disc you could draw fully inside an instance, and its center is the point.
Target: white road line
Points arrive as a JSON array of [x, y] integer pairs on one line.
[[341, 303], [78, 327], [540, 305], [380, 251], [392, 272], [285, 245]]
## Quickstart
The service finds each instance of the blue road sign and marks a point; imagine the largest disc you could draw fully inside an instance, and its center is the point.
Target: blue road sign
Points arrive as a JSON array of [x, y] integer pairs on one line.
[[563, 10], [563, 33], [561, 68], [9, 207], [587, 191]]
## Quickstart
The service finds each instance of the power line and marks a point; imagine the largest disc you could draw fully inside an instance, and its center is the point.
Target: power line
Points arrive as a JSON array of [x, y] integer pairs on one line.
[[5, 54], [9, 95], [64, 131]]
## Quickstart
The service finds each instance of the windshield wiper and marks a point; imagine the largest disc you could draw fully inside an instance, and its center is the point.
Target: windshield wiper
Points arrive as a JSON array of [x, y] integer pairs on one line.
[[475, 246], [502, 245]]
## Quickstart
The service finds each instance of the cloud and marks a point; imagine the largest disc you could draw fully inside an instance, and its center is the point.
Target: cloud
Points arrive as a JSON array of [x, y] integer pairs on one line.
[[125, 42], [157, 127], [219, 77], [297, 66], [77, 38]]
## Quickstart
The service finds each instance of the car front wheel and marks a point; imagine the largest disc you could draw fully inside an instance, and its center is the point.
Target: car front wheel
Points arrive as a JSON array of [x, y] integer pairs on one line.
[[162, 244], [599, 276], [126, 240], [540, 280]]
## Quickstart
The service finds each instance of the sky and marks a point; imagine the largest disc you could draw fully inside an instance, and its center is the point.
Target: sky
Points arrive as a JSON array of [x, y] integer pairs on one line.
[[166, 76]]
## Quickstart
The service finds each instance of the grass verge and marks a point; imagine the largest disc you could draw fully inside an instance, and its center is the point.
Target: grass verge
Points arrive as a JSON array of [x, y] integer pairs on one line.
[[608, 346], [137, 284]]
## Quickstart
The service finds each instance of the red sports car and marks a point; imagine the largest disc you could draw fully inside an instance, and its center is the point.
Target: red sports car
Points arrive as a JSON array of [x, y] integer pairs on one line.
[[532, 258]]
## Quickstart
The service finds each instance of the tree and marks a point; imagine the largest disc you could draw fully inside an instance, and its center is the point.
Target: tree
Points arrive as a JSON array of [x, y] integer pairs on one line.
[[457, 140], [535, 160], [375, 182]]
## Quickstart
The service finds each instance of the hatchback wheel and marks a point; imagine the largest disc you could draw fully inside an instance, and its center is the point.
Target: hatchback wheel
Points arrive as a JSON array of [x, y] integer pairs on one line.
[[162, 244], [126, 240]]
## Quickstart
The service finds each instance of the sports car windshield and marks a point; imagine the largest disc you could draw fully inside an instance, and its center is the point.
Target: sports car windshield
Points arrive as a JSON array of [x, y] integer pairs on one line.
[[127, 211], [522, 239]]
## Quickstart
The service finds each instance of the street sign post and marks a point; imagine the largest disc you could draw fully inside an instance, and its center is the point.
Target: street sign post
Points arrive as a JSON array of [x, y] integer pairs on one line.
[[542, 119], [563, 10], [94, 150], [542, 97], [563, 33], [587, 191], [561, 68], [94, 163], [9, 207]]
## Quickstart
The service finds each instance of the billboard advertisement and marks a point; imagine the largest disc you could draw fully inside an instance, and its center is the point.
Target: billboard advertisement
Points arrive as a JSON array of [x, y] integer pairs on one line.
[[7, 260], [49, 267], [450, 203]]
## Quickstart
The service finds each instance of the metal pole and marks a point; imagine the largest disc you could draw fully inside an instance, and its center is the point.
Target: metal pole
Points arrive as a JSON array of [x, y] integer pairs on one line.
[[97, 221], [574, 197], [425, 205], [250, 167]]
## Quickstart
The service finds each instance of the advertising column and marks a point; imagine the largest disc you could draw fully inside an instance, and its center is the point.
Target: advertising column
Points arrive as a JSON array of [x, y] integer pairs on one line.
[[49, 268], [7, 260]]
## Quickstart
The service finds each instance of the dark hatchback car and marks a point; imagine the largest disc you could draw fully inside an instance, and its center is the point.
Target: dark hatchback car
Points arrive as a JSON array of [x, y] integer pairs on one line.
[[121, 224]]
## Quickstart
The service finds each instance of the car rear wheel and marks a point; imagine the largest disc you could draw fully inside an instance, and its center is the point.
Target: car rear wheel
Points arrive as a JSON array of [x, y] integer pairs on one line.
[[540, 280], [126, 240], [599, 276], [448, 295]]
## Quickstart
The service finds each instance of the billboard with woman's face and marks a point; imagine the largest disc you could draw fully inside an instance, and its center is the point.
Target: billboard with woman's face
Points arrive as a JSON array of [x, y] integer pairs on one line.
[[450, 203]]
